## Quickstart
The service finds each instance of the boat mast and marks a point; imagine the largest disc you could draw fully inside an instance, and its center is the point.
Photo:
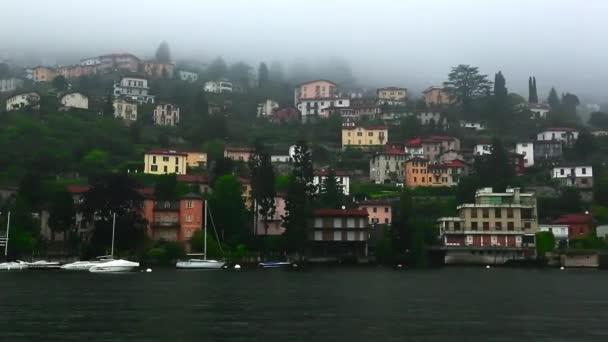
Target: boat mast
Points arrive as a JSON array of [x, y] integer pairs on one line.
[[8, 227], [205, 248], [113, 230]]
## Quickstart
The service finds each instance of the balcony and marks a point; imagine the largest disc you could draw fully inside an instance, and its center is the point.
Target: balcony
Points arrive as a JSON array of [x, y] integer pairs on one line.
[[165, 224]]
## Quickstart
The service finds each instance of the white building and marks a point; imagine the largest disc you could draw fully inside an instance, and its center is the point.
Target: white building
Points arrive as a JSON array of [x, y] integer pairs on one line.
[[538, 111], [426, 118], [527, 150], [267, 107], [576, 176], [92, 61], [218, 87], [21, 101], [564, 134], [310, 107], [342, 178], [10, 84], [483, 149], [560, 231], [135, 88], [166, 114], [125, 109], [188, 76], [473, 126], [280, 158], [75, 100]]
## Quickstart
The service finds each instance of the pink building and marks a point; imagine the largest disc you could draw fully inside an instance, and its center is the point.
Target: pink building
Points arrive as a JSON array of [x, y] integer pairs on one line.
[[434, 96], [173, 220], [379, 211], [314, 90], [238, 153], [121, 61], [275, 223]]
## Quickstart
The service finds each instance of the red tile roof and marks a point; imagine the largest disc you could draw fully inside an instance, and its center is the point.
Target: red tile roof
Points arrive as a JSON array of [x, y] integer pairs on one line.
[[574, 218], [192, 179], [238, 149], [340, 212], [416, 142], [325, 172], [78, 189], [167, 152], [393, 151], [365, 127], [456, 163]]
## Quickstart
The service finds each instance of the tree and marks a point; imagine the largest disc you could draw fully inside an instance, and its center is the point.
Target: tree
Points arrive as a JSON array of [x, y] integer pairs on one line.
[[553, 99], [95, 161], [62, 212], [108, 107], [228, 210], [240, 72], [165, 188], [330, 192], [263, 76], [569, 103], [501, 101], [401, 227], [262, 184], [217, 69], [465, 84], [532, 92], [60, 83], [545, 242], [495, 170], [599, 120], [500, 88], [585, 145], [275, 73], [163, 54]]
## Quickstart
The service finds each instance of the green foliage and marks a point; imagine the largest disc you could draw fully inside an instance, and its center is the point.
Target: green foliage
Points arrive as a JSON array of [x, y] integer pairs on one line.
[[545, 242], [599, 120], [217, 69], [60, 83], [569, 201], [228, 210], [584, 146], [465, 85], [62, 211], [262, 183], [214, 249], [553, 100], [163, 54], [330, 192], [165, 253], [495, 170], [263, 76], [532, 91], [166, 188]]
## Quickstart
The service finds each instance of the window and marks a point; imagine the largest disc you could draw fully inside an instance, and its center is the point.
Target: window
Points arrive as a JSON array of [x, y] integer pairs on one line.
[[177, 169], [177, 160], [485, 213], [486, 226], [527, 225], [497, 213], [165, 159], [189, 204], [584, 181], [374, 209], [386, 220], [165, 169], [498, 225], [370, 134], [153, 159], [154, 168], [510, 226], [386, 209], [473, 213], [188, 218], [584, 171], [359, 134], [473, 225], [509, 212], [167, 205], [456, 225], [561, 172]]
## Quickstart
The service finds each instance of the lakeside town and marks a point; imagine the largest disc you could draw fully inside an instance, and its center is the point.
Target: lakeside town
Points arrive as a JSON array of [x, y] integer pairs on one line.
[[465, 172]]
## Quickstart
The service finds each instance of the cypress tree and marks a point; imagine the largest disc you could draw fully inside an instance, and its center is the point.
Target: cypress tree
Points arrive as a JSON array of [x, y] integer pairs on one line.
[[553, 99], [534, 90]]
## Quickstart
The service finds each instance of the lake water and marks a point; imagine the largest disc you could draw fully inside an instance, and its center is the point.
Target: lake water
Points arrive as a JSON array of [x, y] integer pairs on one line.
[[362, 304]]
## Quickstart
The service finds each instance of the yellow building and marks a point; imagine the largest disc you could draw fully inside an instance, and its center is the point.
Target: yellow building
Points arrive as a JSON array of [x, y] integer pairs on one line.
[[196, 159], [162, 162], [364, 136]]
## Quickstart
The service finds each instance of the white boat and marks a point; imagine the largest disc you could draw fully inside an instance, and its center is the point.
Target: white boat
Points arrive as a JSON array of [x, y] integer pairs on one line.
[[85, 265], [114, 266], [204, 263], [43, 264], [13, 265], [200, 264], [274, 264]]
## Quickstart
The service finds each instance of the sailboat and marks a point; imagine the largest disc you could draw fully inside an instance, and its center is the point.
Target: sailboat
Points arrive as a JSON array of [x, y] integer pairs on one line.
[[204, 263], [114, 266], [10, 265]]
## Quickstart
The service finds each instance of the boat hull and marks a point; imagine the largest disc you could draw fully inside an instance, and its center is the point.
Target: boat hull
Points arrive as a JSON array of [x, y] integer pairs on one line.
[[13, 266], [115, 266], [200, 265], [274, 264]]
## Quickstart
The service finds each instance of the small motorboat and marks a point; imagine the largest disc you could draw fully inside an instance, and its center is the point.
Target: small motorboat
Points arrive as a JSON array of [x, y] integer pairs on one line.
[[13, 266], [85, 265], [274, 264], [114, 266], [203, 264], [43, 264]]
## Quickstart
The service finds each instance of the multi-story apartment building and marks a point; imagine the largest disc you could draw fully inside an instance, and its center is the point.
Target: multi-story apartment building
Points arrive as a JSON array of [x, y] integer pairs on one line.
[[364, 136], [547, 151], [267, 108], [436, 96], [21, 101], [75, 100], [496, 228], [75, 71], [218, 87], [162, 162], [387, 166], [154, 69], [579, 176], [135, 88], [118, 61], [342, 178], [319, 106], [393, 96], [526, 149], [338, 233], [43, 74], [166, 114], [8, 85], [125, 109], [379, 211], [174, 220], [420, 172], [436, 145], [565, 135], [188, 76], [311, 90], [196, 159], [238, 153]]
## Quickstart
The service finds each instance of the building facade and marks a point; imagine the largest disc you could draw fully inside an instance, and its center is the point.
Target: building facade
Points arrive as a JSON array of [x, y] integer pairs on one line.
[[273, 225], [579, 225], [166, 114], [578, 176], [565, 135], [125, 109], [364, 136], [267, 108], [218, 87], [135, 88], [154, 69], [188, 76], [420, 172], [526, 149], [119, 61], [339, 233], [392, 96], [319, 106], [196, 159], [238, 153], [8, 85], [21, 101], [436, 96], [342, 178], [162, 162], [174, 220], [546, 152], [378, 211], [75, 100], [311, 90], [43, 74], [387, 166]]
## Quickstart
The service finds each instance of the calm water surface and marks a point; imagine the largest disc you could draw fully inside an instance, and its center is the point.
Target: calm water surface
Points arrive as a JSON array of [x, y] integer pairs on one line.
[[451, 304]]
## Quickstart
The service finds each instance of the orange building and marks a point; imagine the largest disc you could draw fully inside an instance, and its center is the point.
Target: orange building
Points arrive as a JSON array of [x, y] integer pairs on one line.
[[154, 69], [43, 74], [174, 220], [434, 96], [421, 172]]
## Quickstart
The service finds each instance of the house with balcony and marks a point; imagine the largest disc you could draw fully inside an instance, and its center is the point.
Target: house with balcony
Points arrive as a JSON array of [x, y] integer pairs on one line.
[[135, 88], [538, 111], [578, 176], [364, 136], [319, 106], [435, 145], [379, 211], [21, 101], [75, 100], [421, 172], [339, 233], [387, 166], [526, 149], [166, 114], [125, 109], [238, 153], [497, 228], [392, 96], [218, 87], [196, 159], [174, 220], [316, 89], [579, 225], [342, 178], [547, 151], [162, 162], [565, 135], [188, 76]]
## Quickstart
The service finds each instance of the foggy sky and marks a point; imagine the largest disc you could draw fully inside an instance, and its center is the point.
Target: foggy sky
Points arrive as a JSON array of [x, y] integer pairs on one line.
[[404, 43]]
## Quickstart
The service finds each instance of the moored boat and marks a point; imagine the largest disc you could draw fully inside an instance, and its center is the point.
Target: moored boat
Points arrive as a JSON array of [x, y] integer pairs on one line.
[[274, 264], [114, 266], [86, 264], [13, 266], [43, 264], [200, 264]]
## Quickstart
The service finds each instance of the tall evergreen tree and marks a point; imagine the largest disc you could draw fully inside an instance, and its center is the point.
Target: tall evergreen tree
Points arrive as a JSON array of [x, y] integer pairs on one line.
[[217, 69], [501, 108], [163, 54], [330, 192], [534, 90], [553, 99], [500, 88], [262, 184], [495, 170], [275, 73], [465, 84], [263, 74]]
